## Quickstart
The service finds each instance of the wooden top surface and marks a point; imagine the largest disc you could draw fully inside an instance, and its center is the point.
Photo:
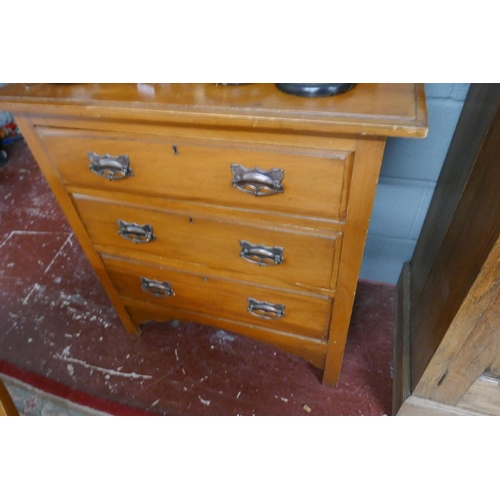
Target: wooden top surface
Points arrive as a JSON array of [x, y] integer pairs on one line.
[[397, 110]]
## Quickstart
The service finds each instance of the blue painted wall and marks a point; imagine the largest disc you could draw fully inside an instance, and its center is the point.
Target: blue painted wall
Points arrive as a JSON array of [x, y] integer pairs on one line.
[[408, 177]]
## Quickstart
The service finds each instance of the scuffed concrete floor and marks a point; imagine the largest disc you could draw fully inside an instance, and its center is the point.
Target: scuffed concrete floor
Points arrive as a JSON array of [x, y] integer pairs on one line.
[[56, 320]]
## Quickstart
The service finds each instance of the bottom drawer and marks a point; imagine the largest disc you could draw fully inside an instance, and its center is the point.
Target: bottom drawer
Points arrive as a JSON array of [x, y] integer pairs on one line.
[[295, 313], [312, 350]]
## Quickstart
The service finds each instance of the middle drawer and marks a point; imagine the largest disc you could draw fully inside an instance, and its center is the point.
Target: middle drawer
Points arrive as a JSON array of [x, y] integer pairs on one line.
[[293, 257]]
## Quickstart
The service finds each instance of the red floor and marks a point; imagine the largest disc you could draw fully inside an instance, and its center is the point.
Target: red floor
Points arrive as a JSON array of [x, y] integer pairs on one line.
[[56, 321]]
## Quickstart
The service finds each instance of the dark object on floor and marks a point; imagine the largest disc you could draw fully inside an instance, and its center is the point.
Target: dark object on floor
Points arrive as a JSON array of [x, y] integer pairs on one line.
[[9, 132], [315, 89]]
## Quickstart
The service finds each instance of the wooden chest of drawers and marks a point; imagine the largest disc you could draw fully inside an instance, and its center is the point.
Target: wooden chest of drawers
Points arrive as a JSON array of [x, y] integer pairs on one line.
[[239, 207]]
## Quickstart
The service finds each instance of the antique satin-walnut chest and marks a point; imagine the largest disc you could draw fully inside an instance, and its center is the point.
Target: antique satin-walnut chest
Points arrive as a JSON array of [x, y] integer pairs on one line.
[[235, 206]]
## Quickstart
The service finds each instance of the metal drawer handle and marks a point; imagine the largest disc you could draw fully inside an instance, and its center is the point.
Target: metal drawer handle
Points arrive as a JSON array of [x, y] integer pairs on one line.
[[157, 288], [265, 310], [260, 254], [110, 167], [135, 232], [256, 181]]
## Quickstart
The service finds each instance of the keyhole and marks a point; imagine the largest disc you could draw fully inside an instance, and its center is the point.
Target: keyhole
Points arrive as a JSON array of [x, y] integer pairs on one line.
[[175, 150], [191, 221]]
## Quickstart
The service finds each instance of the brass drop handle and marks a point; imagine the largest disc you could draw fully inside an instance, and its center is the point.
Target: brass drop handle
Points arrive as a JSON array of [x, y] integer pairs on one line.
[[260, 254], [110, 167], [157, 288], [256, 181], [136, 232], [265, 310]]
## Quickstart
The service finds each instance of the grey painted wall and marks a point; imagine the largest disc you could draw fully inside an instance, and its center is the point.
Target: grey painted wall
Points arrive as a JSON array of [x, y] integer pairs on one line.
[[408, 177]]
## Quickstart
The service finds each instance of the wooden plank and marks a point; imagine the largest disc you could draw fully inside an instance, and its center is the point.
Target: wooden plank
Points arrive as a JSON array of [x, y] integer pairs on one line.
[[461, 228], [478, 352], [458, 361], [7, 407], [365, 174], [401, 383], [483, 397]]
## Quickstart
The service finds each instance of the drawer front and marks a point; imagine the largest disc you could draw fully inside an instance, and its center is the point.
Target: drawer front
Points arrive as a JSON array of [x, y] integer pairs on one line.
[[295, 258], [304, 182], [301, 314]]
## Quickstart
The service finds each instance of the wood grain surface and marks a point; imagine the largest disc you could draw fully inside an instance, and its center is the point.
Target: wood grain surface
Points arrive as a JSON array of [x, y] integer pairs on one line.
[[181, 140], [389, 109]]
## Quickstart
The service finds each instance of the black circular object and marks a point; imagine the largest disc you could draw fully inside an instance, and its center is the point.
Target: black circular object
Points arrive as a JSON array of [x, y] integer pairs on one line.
[[314, 89]]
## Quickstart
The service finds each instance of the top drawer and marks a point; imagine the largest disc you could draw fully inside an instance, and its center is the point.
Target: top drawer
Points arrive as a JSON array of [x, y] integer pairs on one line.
[[307, 182]]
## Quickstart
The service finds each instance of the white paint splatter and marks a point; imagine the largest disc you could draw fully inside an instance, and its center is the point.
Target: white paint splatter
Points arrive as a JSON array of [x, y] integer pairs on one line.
[[223, 336], [204, 401], [37, 286], [65, 357]]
